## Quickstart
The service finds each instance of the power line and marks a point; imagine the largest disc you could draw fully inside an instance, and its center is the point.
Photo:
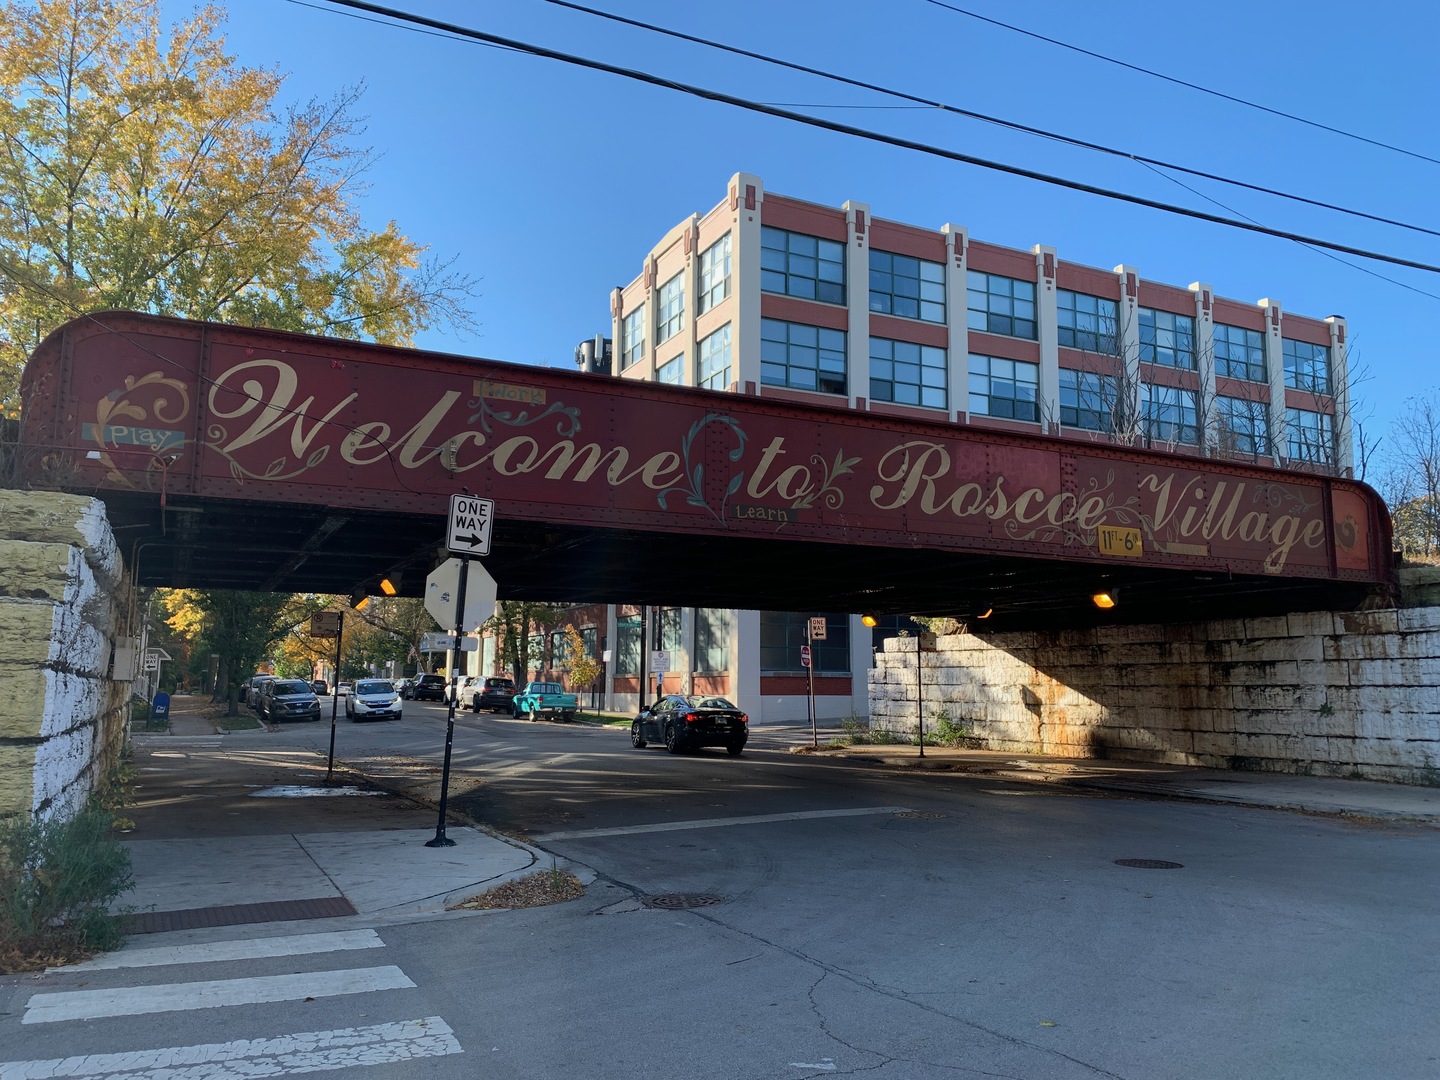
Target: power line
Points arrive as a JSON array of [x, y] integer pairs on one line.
[[873, 136], [956, 110], [1188, 85]]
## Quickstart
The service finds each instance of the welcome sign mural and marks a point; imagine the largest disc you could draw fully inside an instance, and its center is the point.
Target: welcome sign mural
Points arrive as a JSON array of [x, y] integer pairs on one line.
[[251, 414]]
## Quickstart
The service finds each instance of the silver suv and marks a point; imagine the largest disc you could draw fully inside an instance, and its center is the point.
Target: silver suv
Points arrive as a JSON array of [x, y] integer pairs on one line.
[[288, 699]]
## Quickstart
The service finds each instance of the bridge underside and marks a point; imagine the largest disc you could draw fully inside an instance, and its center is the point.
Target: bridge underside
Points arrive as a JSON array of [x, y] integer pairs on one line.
[[281, 547]]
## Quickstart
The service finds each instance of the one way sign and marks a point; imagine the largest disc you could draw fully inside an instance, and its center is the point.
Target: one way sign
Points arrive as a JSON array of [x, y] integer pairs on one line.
[[470, 520]]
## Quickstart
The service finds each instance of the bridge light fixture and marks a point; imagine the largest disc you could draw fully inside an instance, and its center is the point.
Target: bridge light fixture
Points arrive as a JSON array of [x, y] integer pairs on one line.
[[358, 600], [1106, 599], [986, 614], [869, 620], [388, 587]]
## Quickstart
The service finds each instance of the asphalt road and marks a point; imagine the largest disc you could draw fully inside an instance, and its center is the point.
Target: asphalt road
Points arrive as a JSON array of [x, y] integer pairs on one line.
[[895, 925]]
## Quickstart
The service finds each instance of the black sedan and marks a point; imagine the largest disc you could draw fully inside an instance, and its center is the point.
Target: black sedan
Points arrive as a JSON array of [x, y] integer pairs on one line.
[[688, 723]]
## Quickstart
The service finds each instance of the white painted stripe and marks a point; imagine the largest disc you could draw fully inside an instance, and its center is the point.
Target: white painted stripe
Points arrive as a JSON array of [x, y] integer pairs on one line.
[[310, 1051], [254, 949], [175, 997], [720, 823]]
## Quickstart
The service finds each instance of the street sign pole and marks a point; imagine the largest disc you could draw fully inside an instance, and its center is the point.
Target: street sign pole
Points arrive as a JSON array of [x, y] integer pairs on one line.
[[810, 672], [920, 688], [335, 697], [440, 839]]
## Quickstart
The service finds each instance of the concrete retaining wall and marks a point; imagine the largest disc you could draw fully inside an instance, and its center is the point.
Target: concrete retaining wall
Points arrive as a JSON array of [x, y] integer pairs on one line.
[[1352, 694], [62, 600]]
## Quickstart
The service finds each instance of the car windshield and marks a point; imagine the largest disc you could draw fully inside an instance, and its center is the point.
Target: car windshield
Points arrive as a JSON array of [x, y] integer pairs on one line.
[[499, 684], [374, 688], [291, 687], [704, 702]]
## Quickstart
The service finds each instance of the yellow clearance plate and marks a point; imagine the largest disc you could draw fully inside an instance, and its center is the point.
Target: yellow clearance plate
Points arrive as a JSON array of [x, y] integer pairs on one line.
[[1112, 540]]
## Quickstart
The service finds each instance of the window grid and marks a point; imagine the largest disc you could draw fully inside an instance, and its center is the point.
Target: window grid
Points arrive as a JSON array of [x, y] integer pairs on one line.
[[1310, 436], [1170, 415], [672, 372], [714, 284], [1307, 366], [1244, 425], [783, 632], [1087, 322], [907, 373], [1088, 400], [712, 640], [805, 266], [670, 309], [1000, 305], [1239, 353], [1167, 338], [627, 645], [633, 348], [667, 631], [802, 356], [908, 287], [715, 360], [1005, 388]]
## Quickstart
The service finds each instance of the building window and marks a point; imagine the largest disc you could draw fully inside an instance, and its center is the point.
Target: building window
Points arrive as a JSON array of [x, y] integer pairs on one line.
[[712, 640], [1169, 415], [906, 373], [801, 356], [1309, 436], [1000, 305], [632, 348], [715, 360], [559, 649], [535, 650], [667, 631], [910, 288], [672, 372], [803, 266], [1005, 388], [1167, 338], [627, 645], [670, 309], [782, 633], [1244, 426], [1088, 400], [714, 284], [1087, 322], [1307, 366], [1239, 353], [590, 641]]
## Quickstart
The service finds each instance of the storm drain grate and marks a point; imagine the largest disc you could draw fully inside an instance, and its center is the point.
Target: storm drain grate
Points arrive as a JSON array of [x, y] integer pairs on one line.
[[919, 815], [1150, 864], [678, 901]]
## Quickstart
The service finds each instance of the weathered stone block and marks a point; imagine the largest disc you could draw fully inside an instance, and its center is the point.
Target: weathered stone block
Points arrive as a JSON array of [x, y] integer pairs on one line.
[[1419, 619], [1384, 621], [1311, 623], [1271, 626], [49, 517]]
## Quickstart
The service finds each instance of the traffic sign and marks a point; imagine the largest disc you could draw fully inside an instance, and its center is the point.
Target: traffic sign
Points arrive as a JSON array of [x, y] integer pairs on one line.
[[804, 655], [659, 662], [470, 521], [817, 628], [325, 624], [442, 589]]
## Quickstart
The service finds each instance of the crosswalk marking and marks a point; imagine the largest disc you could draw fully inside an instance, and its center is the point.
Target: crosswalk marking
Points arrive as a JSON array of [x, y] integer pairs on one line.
[[311, 1051], [173, 997], [257, 948], [717, 823]]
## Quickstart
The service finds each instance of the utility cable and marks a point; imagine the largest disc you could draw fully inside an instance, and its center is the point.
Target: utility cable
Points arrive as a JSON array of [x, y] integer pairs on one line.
[[872, 136], [927, 103], [1188, 85]]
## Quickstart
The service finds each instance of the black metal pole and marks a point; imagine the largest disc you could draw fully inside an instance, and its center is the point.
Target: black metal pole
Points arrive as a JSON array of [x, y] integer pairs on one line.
[[335, 697], [810, 671], [440, 839], [920, 688]]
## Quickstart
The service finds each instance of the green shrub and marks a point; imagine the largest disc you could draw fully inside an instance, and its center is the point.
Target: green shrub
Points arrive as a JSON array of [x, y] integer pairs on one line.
[[57, 881], [943, 731]]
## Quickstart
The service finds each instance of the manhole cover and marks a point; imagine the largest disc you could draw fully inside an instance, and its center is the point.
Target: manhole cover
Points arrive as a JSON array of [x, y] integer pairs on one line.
[[1150, 864], [676, 901], [919, 815]]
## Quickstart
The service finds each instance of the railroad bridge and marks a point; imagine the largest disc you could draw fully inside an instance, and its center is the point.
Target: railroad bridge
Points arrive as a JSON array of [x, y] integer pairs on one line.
[[233, 457]]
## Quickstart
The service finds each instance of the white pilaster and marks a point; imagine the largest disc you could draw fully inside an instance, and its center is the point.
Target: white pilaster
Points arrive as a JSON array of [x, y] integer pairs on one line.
[[1127, 338], [1340, 387], [1204, 343], [747, 198], [745, 661], [1275, 374], [857, 302], [1047, 325], [686, 660], [610, 644]]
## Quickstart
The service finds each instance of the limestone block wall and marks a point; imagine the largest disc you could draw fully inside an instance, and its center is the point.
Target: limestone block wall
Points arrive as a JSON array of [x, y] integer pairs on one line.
[[1352, 694], [62, 601]]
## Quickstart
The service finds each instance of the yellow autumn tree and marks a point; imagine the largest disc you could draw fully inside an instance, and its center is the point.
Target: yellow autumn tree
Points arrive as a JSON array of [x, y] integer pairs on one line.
[[143, 169]]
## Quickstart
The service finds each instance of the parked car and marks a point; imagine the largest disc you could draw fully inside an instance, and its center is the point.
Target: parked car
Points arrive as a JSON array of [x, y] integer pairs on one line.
[[373, 699], [288, 699], [688, 723], [429, 688], [495, 694], [544, 699], [321, 688], [402, 686], [341, 689], [257, 686]]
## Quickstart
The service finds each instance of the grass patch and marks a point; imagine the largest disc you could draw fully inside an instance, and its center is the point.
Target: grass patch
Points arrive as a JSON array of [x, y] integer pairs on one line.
[[238, 723]]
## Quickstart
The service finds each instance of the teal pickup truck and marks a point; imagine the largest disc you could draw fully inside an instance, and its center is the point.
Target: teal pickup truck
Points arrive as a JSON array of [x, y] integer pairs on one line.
[[544, 698]]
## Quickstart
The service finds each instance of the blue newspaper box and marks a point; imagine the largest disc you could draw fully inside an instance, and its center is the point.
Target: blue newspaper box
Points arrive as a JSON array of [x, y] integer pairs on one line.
[[160, 707]]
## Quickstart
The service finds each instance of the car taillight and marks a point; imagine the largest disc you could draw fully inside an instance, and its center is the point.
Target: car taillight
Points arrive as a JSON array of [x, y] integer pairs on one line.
[[691, 717], [744, 719]]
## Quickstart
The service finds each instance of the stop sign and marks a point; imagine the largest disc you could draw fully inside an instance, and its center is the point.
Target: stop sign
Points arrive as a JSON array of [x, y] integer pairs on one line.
[[442, 589]]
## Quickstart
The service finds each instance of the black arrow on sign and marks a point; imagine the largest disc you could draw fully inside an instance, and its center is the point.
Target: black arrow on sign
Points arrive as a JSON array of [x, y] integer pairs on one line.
[[472, 539]]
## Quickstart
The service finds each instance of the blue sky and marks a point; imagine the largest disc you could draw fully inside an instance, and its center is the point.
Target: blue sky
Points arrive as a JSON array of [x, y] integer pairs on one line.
[[550, 182]]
